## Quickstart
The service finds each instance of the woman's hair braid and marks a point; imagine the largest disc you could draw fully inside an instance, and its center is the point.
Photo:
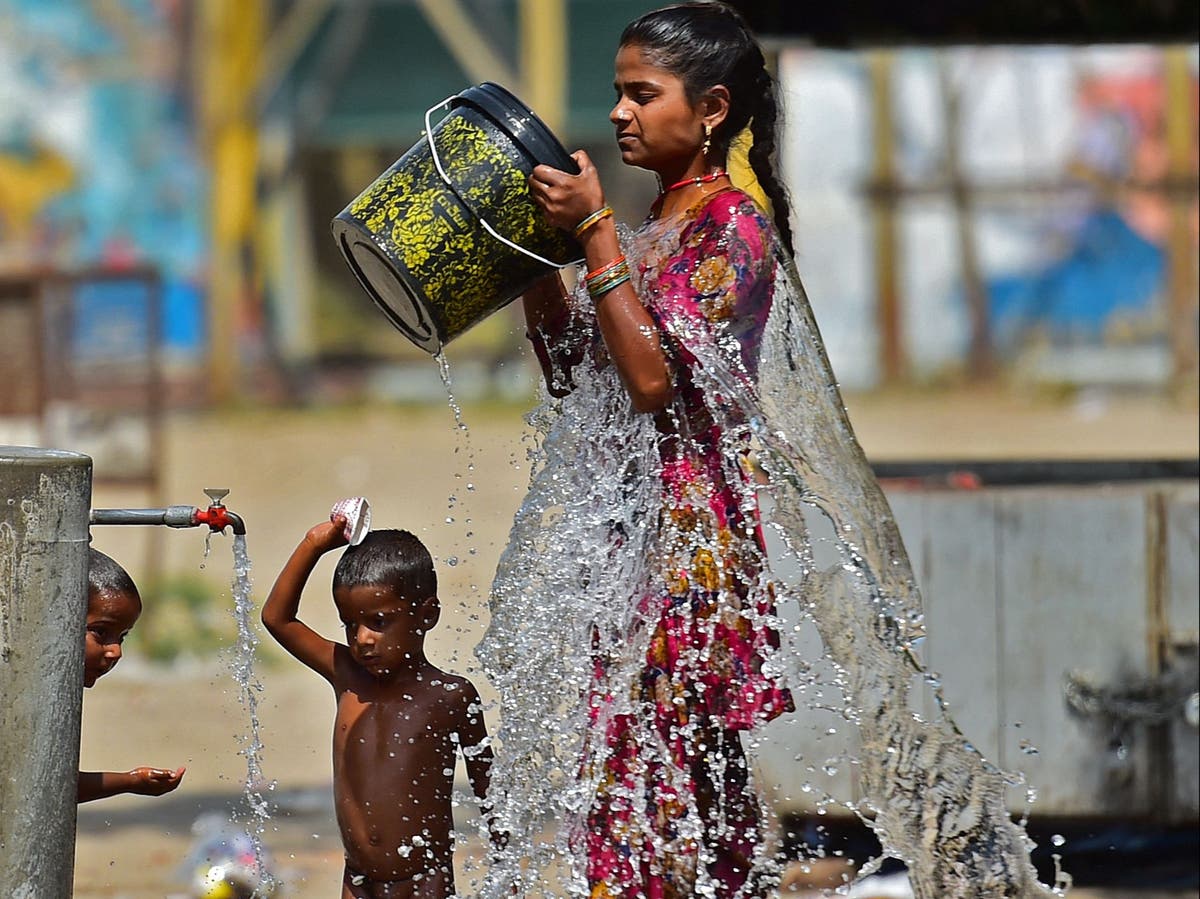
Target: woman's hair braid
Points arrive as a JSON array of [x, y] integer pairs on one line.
[[763, 152]]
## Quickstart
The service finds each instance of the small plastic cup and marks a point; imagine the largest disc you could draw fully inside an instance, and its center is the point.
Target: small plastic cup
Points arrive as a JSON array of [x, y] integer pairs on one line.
[[357, 512]]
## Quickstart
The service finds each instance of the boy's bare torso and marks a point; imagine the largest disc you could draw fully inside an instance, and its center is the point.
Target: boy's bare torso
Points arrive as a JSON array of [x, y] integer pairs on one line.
[[394, 750]]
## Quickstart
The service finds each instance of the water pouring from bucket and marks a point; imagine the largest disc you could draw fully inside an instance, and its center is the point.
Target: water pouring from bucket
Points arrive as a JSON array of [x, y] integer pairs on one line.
[[449, 233]]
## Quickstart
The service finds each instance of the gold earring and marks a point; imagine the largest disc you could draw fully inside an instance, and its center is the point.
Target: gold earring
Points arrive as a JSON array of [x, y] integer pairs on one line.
[[707, 139]]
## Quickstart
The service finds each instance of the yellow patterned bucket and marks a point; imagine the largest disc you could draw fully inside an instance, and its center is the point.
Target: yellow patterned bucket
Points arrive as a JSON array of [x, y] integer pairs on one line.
[[449, 234]]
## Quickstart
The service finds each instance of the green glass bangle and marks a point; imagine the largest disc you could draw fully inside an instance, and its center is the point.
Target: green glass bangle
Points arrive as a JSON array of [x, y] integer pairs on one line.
[[609, 272], [598, 290]]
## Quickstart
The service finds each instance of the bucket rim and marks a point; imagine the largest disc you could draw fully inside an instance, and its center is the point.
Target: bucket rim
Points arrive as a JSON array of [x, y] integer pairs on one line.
[[518, 121], [344, 229]]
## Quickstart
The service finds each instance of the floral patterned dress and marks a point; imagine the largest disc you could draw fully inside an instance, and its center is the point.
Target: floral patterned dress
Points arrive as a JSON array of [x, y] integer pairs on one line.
[[674, 805], [632, 639]]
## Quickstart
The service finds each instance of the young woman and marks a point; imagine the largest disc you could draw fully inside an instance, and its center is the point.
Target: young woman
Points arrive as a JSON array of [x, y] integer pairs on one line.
[[634, 639]]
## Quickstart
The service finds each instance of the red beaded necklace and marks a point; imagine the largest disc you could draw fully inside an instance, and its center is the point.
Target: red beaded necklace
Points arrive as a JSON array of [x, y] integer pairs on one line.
[[699, 179]]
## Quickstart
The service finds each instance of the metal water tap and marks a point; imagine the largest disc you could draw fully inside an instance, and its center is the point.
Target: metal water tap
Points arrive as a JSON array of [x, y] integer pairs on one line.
[[217, 517]]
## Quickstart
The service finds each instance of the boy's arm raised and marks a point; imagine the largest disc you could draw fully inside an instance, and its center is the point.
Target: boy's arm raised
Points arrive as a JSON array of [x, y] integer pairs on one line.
[[282, 605]]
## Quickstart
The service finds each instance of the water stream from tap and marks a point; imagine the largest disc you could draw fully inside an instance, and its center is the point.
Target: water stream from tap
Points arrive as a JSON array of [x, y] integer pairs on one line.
[[255, 811]]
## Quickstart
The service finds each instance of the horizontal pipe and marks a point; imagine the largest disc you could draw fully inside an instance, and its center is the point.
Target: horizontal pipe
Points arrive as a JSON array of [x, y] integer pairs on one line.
[[171, 516], [1028, 472]]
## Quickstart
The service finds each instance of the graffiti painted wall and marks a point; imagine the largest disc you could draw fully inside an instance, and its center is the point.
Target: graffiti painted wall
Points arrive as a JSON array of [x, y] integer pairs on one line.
[[1063, 158], [98, 159]]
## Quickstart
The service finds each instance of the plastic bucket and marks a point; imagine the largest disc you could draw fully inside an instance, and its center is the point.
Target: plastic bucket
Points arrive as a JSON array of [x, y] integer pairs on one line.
[[449, 234]]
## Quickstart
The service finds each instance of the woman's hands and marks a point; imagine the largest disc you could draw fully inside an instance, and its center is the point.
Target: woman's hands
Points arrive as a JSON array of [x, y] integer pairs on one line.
[[567, 199], [629, 331]]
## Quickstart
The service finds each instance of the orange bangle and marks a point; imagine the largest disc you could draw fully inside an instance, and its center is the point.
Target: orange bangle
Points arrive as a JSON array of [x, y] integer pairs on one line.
[[600, 271]]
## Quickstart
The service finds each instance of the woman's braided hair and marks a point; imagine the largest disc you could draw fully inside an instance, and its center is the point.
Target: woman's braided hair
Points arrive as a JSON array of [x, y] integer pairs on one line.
[[705, 43]]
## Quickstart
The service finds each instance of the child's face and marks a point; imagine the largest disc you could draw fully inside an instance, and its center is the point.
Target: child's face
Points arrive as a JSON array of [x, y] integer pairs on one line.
[[110, 617], [385, 631]]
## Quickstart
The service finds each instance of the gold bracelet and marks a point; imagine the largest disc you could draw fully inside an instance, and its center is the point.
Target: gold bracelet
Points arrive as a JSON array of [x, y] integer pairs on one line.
[[602, 213]]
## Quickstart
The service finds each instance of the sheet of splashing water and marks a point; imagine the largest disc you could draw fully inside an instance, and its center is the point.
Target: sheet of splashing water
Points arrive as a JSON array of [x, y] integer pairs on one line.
[[933, 800]]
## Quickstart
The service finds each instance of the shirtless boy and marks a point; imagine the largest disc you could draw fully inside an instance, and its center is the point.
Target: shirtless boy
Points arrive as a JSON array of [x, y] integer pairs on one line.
[[400, 721]]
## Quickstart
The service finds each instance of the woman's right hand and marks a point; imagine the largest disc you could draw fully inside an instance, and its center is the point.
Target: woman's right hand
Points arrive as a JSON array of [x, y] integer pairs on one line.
[[566, 199]]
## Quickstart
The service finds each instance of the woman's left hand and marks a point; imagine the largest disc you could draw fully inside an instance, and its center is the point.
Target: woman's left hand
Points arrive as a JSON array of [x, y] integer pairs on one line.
[[567, 199]]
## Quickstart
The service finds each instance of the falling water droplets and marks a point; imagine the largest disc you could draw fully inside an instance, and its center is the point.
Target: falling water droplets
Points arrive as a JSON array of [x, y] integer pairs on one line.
[[256, 807], [444, 371]]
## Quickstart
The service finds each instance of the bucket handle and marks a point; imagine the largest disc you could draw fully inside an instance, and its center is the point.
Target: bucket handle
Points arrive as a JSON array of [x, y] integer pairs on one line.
[[437, 163]]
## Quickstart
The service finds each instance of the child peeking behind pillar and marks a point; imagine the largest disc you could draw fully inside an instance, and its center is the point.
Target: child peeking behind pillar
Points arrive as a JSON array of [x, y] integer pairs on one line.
[[112, 610]]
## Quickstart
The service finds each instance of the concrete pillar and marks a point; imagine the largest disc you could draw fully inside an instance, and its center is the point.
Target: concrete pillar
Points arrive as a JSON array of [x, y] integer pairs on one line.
[[45, 497]]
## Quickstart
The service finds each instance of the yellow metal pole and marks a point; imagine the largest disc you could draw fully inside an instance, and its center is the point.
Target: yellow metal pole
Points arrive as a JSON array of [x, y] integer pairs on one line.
[[980, 356], [1181, 241], [543, 26], [892, 361], [469, 47], [231, 40]]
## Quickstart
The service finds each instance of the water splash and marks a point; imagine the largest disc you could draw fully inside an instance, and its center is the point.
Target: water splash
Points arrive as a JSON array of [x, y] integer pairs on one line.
[[542, 615], [935, 802], [255, 812], [593, 535]]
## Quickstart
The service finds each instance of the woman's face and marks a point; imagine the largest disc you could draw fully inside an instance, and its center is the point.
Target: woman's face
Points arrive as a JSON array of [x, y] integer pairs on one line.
[[658, 128]]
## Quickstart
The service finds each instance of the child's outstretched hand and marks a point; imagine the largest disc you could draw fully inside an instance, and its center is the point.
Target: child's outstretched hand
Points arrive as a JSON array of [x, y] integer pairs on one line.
[[327, 535], [154, 781]]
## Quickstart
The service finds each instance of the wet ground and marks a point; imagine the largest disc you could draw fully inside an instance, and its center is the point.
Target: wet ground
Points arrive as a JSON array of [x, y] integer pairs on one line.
[[285, 469]]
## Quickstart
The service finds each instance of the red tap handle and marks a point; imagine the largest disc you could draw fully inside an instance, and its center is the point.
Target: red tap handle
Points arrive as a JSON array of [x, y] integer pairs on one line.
[[216, 517]]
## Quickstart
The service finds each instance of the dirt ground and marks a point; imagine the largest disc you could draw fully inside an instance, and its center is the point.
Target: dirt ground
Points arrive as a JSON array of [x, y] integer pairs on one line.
[[458, 491]]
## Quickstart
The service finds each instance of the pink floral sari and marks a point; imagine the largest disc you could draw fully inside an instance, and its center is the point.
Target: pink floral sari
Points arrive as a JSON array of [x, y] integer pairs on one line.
[[633, 639], [674, 792]]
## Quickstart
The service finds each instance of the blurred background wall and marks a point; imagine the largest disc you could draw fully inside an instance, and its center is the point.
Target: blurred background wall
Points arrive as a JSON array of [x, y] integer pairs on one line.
[[962, 209], [989, 200]]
